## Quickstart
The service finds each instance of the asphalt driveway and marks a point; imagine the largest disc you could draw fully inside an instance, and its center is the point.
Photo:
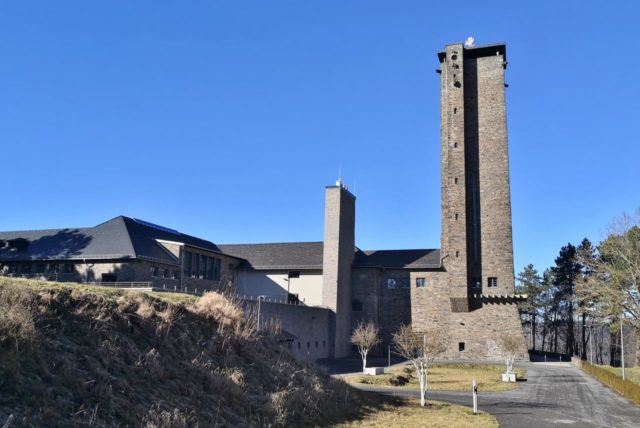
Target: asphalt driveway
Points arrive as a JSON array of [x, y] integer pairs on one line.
[[554, 394]]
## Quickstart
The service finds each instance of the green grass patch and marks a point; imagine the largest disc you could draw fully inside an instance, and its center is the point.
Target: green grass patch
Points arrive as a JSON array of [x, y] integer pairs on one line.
[[442, 377]]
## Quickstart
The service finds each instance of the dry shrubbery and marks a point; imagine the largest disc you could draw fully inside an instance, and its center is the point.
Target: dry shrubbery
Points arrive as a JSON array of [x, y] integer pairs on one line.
[[112, 358], [17, 317]]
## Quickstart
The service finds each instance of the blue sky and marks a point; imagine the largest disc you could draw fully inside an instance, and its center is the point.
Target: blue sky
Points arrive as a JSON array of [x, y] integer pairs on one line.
[[226, 120]]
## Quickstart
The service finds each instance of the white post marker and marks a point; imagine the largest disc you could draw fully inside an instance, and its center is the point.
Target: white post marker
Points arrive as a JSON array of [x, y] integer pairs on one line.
[[475, 397]]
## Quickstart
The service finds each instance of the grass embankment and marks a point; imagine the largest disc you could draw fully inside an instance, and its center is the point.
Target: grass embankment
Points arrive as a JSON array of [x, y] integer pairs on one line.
[[610, 376], [409, 414], [630, 373], [442, 377], [74, 355]]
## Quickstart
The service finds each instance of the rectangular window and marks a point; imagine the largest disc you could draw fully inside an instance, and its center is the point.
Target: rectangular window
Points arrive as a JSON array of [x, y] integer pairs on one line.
[[195, 264], [294, 274], [461, 346], [203, 267], [155, 271], [216, 269], [391, 283], [187, 262], [165, 273], [175, 274], [492, 281], [420, 282]]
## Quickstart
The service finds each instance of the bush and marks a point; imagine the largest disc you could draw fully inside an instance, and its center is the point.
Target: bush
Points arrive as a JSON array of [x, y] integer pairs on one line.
[[625, 387], [17, 317]]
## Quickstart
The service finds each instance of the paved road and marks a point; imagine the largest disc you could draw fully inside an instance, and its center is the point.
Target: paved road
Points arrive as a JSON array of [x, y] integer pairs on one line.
[[555, 394]]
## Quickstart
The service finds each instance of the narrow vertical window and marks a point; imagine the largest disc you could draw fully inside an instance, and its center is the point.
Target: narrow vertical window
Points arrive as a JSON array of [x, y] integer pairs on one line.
[[492, 281], [419, 282]]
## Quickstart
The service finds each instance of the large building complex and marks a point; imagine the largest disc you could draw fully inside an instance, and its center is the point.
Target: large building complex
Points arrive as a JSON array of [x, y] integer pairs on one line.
[[465, 288]]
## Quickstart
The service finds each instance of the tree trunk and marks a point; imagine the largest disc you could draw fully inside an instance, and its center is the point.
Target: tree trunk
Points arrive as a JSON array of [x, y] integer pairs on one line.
[[364, 363], [422, 388], [533, 332]]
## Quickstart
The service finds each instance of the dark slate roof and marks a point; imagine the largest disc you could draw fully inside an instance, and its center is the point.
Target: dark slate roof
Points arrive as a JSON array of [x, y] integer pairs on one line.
[[308, 255], [283, 255], [406, 259], [118, 238]]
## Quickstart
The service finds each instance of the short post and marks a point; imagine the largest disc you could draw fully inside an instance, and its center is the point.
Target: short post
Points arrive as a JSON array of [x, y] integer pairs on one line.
[[388, 355], [475, 397], [545, 357]]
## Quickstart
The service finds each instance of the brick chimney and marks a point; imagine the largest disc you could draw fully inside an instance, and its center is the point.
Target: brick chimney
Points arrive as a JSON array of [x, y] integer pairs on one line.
[[338, 254]]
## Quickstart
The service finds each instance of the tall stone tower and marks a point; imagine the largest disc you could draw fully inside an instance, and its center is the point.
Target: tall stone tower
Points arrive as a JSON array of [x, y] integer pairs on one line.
[[476, 205], [474, 298], [338, 255]]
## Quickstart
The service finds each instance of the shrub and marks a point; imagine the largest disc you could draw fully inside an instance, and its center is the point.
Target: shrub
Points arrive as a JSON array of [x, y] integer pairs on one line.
[[624, 387], [17, 317]]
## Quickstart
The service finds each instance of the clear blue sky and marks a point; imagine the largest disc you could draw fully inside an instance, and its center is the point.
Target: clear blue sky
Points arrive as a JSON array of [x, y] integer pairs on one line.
[[226, 120]]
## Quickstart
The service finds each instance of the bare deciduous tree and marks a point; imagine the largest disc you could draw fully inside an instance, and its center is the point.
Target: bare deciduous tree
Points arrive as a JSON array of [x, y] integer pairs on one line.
[[365, 337], [421, 348], [509, 349]]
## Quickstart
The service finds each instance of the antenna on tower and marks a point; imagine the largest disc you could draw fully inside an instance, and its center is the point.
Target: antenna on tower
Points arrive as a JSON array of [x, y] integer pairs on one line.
[[470, 42]]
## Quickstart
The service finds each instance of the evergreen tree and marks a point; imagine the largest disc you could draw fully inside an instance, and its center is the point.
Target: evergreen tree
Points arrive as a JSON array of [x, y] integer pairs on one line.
[[530, 283], [566, 272], [586, 258]]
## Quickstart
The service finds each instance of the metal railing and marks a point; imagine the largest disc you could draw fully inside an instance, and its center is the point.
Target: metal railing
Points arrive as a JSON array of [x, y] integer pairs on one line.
[[121, 284]]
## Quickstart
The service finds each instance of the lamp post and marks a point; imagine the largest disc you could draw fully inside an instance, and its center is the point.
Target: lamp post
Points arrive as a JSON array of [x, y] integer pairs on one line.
[[622, 347]]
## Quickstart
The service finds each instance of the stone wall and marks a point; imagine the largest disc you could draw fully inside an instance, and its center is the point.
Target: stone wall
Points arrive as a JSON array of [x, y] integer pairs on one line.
[[310, 326], [373, 300]]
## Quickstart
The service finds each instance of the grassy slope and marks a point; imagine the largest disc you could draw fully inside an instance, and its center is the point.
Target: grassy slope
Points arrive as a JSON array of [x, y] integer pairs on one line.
[[442, 377], [631, 373], [106, 357], [75, 355]]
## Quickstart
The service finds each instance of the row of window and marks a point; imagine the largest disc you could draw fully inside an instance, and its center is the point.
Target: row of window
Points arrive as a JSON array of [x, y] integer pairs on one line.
[[201, 266], [492, 282], [324, 345], [29, 268], [392, 283], [165, 273]]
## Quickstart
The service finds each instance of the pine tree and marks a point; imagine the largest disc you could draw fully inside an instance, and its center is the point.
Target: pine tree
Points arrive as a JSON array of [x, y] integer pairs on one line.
[[566, 272], [530, 283]]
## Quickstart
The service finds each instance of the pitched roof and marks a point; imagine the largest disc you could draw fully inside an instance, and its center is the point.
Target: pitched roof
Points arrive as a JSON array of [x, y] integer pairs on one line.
[[282, 255], [119, 238], [405, 259], [308, 255]]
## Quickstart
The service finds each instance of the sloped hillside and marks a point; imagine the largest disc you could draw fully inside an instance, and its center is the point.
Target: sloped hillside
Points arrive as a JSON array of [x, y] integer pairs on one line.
[[73, 355]]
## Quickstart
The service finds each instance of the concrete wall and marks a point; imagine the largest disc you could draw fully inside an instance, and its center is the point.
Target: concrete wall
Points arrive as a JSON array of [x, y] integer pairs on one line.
[[310, 326], [273, 285]]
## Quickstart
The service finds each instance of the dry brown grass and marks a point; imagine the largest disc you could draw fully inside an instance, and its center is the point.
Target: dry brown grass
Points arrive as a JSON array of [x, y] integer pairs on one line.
[[104, 357], [18, 317], [442, 377], [630, 373], [409, 414]]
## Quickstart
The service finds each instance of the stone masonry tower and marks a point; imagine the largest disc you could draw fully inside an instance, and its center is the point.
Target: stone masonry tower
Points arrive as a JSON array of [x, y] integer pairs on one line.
[[472, 298], [476, 205], [338, 255]]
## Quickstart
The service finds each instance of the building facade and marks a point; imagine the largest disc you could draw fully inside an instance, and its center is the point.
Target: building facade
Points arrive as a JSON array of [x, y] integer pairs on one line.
[[321, 290]]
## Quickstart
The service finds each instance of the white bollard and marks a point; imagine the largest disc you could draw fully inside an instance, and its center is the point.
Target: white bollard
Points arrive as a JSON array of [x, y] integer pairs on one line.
[[475, 397]]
